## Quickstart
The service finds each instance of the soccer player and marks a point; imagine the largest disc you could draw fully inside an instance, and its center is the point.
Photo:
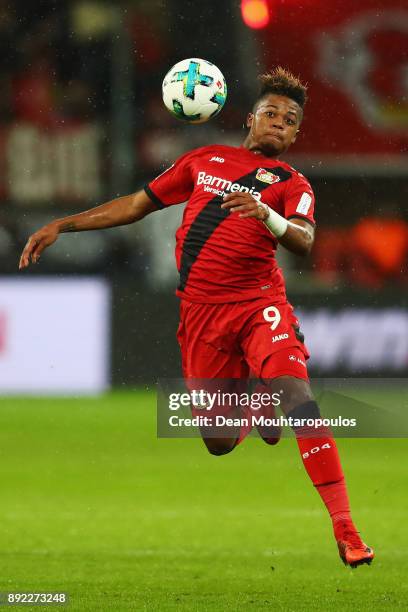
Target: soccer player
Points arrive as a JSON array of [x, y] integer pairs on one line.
[[235, 318]]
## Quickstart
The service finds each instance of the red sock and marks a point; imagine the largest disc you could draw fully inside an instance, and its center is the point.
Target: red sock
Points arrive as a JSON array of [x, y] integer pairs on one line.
[[335, 497], [322, 462]]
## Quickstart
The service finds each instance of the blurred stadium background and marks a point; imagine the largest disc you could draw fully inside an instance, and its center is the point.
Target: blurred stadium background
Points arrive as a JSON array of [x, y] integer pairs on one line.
[[81, 121]]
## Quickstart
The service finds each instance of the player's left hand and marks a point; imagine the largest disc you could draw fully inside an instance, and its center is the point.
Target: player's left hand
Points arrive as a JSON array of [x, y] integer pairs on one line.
[[244, 204]]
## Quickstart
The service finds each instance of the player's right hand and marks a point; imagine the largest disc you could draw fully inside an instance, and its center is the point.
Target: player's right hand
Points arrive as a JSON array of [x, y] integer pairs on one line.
[[36, 244]]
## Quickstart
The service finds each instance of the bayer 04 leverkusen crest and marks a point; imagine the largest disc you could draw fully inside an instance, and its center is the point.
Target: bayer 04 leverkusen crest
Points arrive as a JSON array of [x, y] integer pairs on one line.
[[266, 176]]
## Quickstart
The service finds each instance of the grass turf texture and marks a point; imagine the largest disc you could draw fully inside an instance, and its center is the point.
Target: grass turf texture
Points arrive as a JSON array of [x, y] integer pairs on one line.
[[94, 505]]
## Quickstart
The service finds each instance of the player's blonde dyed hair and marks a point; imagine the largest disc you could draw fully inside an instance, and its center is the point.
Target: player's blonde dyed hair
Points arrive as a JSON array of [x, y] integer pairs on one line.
[[283, 83]]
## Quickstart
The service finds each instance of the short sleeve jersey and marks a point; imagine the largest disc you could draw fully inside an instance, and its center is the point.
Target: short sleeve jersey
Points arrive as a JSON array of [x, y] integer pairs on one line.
[[220, 256]]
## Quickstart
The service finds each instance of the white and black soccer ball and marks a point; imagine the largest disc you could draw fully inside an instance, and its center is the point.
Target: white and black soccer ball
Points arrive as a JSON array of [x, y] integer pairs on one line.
[[194, 90]]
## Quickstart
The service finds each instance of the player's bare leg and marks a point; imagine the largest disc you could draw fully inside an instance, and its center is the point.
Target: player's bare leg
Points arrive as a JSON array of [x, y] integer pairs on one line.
[[220, 446], [322, 462], [271, 434], [220, 441], [218, 438]]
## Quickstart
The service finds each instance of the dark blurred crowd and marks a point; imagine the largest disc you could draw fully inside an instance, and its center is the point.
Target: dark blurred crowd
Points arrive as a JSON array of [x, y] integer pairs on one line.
[[373, 253], [57, 61], [43, 75]]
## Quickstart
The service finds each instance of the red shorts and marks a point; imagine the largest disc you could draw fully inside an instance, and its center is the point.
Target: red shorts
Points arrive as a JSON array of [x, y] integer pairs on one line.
[[233, 340]]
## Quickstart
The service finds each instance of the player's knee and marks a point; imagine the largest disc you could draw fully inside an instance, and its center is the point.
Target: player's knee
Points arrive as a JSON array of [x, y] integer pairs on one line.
[[308, 422], [219, 446], [308, 410], [293, 392]]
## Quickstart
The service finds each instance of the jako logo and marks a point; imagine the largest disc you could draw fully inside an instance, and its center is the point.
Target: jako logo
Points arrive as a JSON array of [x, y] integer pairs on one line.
[[218, 185], [280, 337], [298, 359], [220, 160]]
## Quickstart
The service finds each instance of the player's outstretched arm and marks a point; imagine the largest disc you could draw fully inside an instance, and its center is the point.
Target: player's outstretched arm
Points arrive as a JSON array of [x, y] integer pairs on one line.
[[296, 235], [120, 211], [299, 237]]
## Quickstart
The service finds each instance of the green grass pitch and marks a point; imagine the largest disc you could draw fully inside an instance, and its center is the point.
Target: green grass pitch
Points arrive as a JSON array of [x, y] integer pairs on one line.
[[92, 503]]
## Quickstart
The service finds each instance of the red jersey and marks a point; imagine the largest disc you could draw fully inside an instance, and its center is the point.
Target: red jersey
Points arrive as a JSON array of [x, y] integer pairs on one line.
[[220, 256]]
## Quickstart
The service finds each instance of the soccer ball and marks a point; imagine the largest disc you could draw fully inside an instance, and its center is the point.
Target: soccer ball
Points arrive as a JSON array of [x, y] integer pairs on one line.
[[194, 90]]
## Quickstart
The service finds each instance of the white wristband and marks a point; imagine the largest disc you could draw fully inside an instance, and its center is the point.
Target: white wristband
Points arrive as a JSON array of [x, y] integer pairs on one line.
[[275, 223]]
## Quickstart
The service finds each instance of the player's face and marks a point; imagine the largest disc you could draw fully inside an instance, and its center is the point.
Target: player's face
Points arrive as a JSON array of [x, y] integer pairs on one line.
[[274, 125]]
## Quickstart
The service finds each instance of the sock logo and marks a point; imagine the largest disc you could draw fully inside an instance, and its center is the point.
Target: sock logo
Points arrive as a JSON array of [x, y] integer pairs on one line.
[[315, 450]]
